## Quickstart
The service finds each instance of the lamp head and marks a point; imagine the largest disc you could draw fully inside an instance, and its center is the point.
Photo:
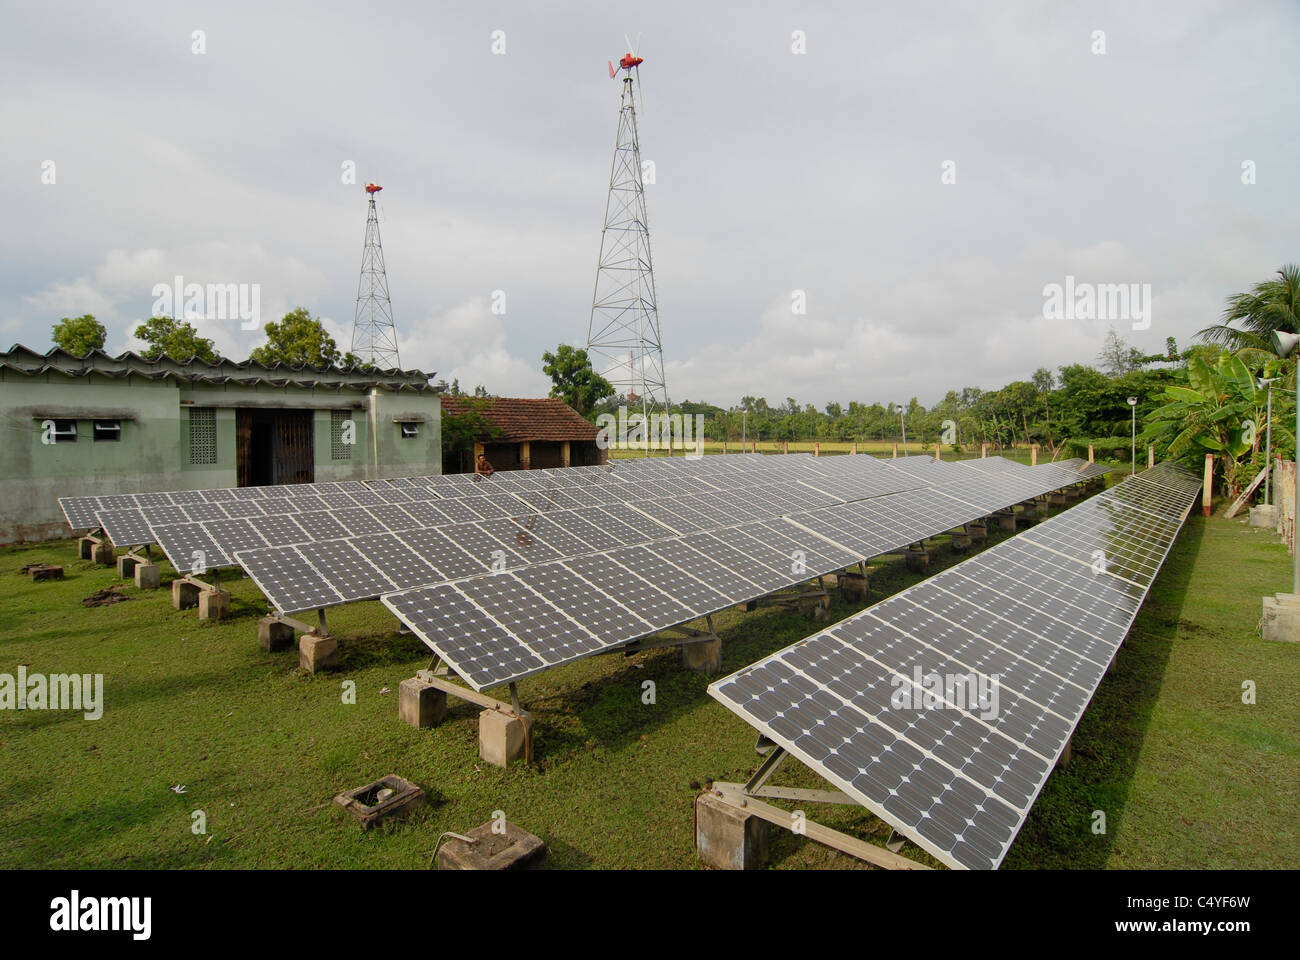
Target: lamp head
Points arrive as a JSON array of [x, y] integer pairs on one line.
[[1132, 401], [1285, 343]]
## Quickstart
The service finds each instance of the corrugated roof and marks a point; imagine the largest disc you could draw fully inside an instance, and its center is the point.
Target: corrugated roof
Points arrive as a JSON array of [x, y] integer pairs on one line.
[[522, 419], [244, 372]]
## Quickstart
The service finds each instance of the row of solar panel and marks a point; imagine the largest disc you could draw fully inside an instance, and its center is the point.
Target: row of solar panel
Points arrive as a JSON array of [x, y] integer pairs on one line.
[[520, 626], [883, 704], [684, 477]]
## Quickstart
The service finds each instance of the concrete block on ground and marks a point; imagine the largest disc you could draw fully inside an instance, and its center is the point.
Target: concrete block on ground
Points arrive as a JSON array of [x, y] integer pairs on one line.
[[317, 653], [918, 561], [214, 604], [502, 737], [1056, 499], [103, 553], [45, 571], [126, 566], [85, 547], [728, 838], [147, 576], [185, 594], [390, 797], [703, 656], [1264, 516], [420, 703], [960, 541], [497, 845], [979, 531], [853, 587], [1007, 521], [274, 635], [1281, 619]]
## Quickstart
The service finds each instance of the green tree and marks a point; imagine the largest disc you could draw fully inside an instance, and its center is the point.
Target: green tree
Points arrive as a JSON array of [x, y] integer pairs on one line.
[[463, 425], [1271, 305], [1214, 408], [176, 339], [573, 379], [79, 335], [299, 339]]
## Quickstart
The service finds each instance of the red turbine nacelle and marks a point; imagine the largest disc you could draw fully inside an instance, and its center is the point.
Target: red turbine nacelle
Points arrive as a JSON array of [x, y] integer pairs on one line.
[[628, 61], [373, 188]]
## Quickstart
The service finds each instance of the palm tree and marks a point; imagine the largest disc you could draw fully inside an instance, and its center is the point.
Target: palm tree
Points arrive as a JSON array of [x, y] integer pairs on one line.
[[1271, 305]]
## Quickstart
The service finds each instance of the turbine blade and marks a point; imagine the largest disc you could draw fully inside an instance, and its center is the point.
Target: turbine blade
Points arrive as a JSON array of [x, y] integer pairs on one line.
[[637, 52], [628, 42]]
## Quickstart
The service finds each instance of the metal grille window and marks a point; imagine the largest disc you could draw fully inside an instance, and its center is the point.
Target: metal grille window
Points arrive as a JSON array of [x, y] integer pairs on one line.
[[342, 434], [203, 435]]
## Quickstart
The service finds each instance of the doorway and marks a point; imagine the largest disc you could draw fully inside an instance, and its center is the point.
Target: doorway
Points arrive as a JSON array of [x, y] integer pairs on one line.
[[274, 447]]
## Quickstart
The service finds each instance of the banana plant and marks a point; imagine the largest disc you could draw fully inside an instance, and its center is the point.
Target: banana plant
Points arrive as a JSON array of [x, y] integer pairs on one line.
[[1216, 408]]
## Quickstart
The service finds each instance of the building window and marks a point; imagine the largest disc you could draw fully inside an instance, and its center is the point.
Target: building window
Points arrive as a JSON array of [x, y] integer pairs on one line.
[[203, 436], [64, 431], [410, 429], [343, 434], [108, 430]]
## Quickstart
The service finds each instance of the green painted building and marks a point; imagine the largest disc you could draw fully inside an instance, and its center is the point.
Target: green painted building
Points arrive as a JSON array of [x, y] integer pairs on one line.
[[98, 424]]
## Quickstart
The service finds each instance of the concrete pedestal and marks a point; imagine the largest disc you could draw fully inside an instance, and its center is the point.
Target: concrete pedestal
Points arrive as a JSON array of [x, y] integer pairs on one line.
[[1056, 499], [703, 656], [126, 565], [728, 838], [502, 737], [45, 571], [960, 541], [274, 635], [918, 560], [185, 594], [1007, 521], [853, 587], [513, 849], [214, 604], [147, 576], [420, 704], [1281, 620], [1264, 516], [85, 547], [103, 553], [979, 531], [317, 653]]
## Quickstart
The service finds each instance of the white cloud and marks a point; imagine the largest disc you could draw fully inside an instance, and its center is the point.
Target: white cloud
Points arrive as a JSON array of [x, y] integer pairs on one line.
[[468, 343]]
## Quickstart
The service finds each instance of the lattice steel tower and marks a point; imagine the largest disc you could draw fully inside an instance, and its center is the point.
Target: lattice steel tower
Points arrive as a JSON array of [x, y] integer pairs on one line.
[[623, 335], [374, 337]]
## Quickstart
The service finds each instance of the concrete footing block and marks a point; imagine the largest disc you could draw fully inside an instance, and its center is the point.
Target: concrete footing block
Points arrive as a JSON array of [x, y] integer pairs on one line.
[[317, 653], [126, 565], [1007, 521], [45, 571], [185, 594], [853, 587], [1281, 619], [85, 547], [274, 635], [960, 541], [214, 604], [147, 576], [420, 703], [703, 656], [103, 553], [1264, 516], [728, 838], [502, 737], [497, 845], [1056, 499], [918, 560], [979, 531]]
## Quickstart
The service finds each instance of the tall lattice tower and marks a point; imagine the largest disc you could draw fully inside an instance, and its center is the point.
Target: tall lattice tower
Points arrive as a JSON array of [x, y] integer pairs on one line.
[[374, 337], [623, 340]]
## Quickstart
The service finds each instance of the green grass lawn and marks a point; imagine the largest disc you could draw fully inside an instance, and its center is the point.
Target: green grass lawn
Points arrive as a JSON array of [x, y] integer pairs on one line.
[[1188, 776]]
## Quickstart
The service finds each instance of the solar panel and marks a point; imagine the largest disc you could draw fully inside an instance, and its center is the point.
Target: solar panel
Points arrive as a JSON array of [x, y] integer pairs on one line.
[[189, 548], [125, 528], [1033, 620], [284, 574]]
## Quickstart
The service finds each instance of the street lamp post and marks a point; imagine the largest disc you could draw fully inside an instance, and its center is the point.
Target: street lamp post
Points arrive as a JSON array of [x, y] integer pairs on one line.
[[1133, 404], [1268, 433], [903, 423], [1285, 344]]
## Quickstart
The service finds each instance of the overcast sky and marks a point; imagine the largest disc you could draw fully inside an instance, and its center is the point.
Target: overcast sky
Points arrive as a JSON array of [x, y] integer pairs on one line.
[[776, 172]]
